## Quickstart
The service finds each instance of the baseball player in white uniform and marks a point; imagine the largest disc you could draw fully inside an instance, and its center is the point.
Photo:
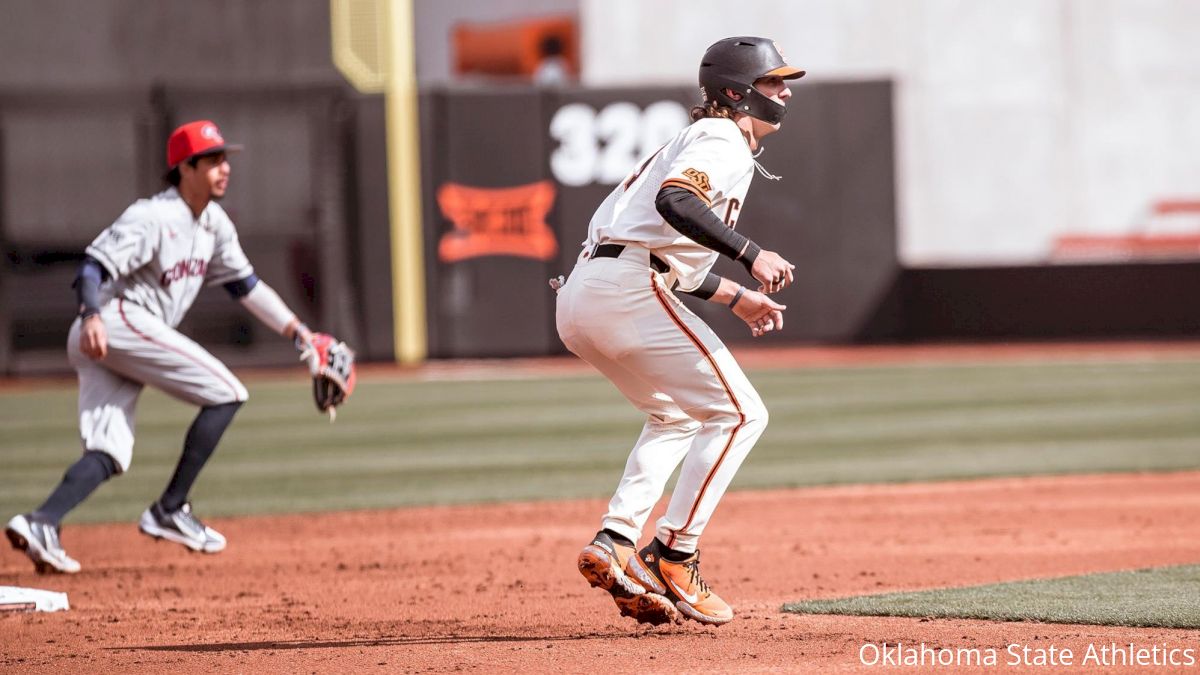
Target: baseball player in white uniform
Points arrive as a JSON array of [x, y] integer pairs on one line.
[[138, 279], [658, 234]]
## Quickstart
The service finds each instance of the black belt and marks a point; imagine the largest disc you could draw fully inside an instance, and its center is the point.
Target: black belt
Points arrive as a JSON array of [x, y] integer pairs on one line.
[[614, 251]]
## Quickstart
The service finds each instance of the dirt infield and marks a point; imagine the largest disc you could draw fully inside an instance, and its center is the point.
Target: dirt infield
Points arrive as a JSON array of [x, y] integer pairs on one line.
[[493, 587]]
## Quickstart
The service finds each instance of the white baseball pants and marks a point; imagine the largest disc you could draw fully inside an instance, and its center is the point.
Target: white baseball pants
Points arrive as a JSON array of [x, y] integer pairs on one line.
[[618, 315], [142, 350]]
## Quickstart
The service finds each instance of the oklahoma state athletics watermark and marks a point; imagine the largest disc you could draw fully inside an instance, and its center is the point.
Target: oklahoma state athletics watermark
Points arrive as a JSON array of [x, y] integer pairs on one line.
[[1094, 655]]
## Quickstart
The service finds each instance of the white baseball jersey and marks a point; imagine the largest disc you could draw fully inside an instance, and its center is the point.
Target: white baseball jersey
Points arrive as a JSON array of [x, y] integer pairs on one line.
[[159, 256], [620, 315], [711, 159]]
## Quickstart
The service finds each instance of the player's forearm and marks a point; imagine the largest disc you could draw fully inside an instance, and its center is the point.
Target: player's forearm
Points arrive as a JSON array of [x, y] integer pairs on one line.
[[727, 292], [715, 288], [686, 213], [87, 286], [265, 304]]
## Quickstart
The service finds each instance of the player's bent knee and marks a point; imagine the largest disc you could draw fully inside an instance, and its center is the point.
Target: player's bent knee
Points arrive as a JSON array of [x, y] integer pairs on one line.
[[236, 393], [218, 401], [763, 418], [230, 407], [755, 414], [226, 390]]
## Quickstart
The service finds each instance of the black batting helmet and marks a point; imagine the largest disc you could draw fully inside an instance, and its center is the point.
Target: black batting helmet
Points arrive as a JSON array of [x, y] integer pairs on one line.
[[735, 63]]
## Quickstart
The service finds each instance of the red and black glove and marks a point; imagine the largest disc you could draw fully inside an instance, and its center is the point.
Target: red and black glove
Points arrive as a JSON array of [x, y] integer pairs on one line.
[[331, 364]]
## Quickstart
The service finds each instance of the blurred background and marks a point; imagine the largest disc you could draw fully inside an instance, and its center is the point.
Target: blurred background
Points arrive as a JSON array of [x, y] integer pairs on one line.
[[952, 171]]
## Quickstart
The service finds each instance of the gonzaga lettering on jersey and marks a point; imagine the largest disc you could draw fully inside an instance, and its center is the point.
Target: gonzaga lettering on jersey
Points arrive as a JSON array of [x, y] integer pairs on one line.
[[159, 256], [711, 159], [185, 268]]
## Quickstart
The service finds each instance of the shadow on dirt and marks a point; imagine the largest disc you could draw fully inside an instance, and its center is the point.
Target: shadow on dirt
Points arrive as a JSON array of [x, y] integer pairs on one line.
[[368, 642]]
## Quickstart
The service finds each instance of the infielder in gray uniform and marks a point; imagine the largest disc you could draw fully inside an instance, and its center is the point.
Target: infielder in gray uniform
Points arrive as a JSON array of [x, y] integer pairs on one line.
[[137, 281]]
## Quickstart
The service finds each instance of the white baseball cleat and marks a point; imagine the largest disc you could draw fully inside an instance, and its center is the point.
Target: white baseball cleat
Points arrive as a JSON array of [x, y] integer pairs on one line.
[[39, 541], [181, 527]]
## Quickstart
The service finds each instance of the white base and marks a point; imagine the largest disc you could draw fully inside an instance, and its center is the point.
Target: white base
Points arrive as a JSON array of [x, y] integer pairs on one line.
[[17, 599]]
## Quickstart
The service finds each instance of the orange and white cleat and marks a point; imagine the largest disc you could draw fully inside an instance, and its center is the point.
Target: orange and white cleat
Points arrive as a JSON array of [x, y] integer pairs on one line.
[[680, 582], [603, 563]]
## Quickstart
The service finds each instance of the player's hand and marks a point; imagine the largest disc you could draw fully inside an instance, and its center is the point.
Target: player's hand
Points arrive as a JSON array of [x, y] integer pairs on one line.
[[772, 272], [761, 314], [302, 338], [301, 335], [93, 339]]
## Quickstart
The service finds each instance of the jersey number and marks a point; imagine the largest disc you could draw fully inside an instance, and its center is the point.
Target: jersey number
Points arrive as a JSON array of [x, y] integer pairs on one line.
[[603, 147]]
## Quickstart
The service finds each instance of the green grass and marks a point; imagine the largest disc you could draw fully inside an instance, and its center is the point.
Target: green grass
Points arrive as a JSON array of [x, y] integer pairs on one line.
[[411, 442], [1162, 597]]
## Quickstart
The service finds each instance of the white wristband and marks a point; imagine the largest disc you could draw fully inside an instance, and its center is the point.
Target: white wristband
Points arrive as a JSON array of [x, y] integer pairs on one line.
[[265, 304]]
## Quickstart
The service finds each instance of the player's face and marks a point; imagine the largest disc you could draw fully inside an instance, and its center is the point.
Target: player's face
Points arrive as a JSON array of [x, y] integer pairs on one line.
[[214, 171], [209, 179], [776, 89]]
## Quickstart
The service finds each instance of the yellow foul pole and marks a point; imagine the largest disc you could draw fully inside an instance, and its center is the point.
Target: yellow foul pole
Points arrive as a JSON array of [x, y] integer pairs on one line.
[[404, 186], [373, 49]]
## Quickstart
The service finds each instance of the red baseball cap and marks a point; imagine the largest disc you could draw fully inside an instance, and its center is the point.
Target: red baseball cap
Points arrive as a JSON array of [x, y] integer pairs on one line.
[[201, 137]]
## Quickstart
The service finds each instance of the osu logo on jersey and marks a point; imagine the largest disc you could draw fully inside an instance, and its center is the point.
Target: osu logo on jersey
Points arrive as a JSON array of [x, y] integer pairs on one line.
[[699, 178], [497, 221]]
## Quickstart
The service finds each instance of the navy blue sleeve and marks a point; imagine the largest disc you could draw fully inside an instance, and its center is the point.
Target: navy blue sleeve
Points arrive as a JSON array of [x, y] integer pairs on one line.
[[87, 283], [242, 287]]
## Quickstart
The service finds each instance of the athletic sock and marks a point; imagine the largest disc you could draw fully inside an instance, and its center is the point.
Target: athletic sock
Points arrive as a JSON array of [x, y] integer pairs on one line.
[[80, 480], [618, 538], [673, 555], [199, 444]]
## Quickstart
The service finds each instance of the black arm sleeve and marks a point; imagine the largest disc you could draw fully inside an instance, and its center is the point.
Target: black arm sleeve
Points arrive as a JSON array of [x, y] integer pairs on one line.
[[685, 212], [242, 287], [707, 288], [87, 286]]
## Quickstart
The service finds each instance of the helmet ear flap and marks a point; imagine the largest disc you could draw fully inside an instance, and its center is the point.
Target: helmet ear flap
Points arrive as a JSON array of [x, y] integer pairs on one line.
[[713, 87]]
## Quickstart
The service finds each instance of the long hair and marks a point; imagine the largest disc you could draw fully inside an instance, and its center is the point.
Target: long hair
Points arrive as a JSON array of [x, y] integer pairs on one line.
[[711, 109]]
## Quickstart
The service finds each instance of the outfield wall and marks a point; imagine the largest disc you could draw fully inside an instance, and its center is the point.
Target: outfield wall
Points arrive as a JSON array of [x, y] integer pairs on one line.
[[511, 178], [1058, 302]]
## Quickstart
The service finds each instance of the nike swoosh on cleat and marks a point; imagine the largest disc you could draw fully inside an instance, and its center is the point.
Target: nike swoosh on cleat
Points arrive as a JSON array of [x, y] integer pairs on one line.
[[690, 599]]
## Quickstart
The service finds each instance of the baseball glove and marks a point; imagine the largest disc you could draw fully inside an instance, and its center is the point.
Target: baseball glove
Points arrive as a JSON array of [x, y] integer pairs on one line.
[[331, 364]]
